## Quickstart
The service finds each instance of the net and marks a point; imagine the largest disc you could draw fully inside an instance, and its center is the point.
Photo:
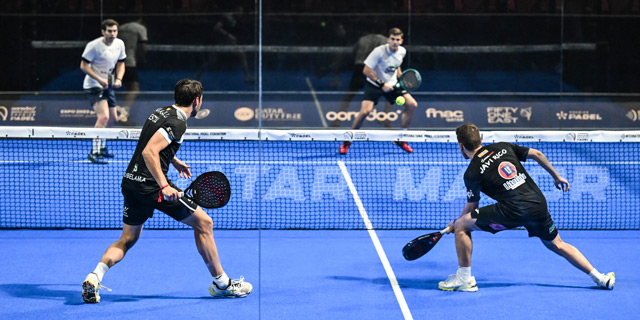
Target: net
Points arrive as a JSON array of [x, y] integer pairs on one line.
[[296, 179]]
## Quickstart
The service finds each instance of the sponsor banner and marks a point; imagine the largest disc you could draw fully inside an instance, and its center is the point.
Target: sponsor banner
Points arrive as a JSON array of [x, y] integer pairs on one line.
[[327, 135], [304, 112]]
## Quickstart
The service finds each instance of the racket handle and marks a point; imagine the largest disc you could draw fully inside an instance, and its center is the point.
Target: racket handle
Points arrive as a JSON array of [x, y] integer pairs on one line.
[[445, 230], [181, 195]]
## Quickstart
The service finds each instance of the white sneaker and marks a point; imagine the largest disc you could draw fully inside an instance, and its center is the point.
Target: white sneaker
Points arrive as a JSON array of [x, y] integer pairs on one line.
[[236, 289], [91, 287], [608, 281], [455, 283]]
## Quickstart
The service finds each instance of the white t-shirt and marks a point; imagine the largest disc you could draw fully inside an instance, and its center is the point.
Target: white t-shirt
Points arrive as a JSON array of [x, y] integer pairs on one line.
[[385, 63], [102, 58], [132, 33]]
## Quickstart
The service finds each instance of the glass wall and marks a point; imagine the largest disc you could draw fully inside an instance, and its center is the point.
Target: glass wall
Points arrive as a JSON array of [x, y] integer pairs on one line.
[[300, 56]]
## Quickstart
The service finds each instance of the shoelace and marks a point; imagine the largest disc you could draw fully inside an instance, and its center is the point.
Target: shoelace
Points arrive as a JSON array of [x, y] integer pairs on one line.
[[236, 283], [100, 286], [103, 287]]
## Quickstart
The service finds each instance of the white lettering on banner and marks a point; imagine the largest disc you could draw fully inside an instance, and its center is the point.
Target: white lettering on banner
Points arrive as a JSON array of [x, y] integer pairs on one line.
[[545, 181], [633, 115], [447, 115], [329, 181], [23, 114], [375, 115], [578, 115], [250, 176], [502, 114], [405, 186], [590, 180], [77, 113], [286, 185], [433, 184], [278, 114]]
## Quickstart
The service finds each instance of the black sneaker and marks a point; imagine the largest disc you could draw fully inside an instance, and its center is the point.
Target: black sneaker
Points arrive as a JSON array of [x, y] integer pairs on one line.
[[96, 158], [104, 152]]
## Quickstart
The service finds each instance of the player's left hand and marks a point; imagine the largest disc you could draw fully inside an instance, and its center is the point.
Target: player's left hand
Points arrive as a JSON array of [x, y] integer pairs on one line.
[[562, 184], [183, 168]]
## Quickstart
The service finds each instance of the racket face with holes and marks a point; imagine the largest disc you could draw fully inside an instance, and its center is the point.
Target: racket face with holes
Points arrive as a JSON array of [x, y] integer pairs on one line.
[[410, 79], [210, 190]]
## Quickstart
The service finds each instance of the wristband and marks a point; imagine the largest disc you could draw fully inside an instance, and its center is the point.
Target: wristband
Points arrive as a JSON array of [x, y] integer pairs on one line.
[[160, 193], [380, 82], [118, 79]]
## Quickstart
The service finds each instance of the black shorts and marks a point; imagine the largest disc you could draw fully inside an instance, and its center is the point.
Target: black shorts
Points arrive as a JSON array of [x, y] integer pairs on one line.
[[96, 94], [373, 93], [138, 207], [497, 217]]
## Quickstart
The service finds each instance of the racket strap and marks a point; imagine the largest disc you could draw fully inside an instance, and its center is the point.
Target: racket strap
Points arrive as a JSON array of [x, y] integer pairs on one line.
[[160, 193]]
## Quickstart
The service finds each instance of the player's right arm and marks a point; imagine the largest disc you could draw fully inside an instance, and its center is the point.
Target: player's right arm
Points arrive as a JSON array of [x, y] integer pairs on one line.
[[537, 155], [369, 73], [151, 156], [85, 66]]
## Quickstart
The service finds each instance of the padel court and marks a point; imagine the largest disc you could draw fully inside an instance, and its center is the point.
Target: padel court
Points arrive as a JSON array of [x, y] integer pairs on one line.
[[318, 234]]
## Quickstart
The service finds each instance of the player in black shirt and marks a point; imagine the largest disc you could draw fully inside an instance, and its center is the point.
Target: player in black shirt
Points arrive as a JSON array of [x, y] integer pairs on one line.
[[145, 187], [497, 171]]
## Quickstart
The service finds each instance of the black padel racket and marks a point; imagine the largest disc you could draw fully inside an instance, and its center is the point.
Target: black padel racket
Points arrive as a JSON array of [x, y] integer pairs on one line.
[[419, 246], [210, 190], [409, 80]]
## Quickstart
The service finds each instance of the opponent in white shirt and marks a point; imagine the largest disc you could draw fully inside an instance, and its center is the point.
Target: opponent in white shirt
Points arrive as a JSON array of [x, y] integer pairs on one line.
[[382, 69], [103, 63]]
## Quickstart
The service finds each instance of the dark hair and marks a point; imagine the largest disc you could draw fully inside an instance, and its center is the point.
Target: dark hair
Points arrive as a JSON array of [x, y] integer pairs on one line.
[[187, 91], [395, 32], [469, 135], [109, 23]]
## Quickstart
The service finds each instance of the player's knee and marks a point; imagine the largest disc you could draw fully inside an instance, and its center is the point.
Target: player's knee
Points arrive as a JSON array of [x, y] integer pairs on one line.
[[127, 242], [555, 246], [103, 119], [463, 224], [205, 224]]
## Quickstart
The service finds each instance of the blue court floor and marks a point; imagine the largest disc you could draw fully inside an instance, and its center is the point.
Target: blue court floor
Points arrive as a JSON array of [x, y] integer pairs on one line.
[[314, 275]]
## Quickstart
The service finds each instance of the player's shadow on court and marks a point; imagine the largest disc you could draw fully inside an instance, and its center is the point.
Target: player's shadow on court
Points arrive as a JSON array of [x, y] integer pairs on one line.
[[432, 284], [74, 296]]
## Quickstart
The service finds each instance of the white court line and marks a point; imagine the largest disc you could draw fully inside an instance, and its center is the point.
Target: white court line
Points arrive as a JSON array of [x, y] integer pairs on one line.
[[317, 102], [376, 242]]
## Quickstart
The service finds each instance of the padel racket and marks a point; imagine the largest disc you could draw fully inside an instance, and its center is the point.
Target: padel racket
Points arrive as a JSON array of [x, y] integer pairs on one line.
[[210, 190], [419, 246], [409, 80]]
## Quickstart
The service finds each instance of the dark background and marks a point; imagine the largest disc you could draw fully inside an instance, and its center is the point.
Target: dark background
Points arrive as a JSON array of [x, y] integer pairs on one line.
[[531, 46]]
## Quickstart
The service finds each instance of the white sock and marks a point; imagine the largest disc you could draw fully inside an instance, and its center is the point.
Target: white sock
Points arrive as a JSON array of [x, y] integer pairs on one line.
[[100, 270], [595, 275], [96, 145], [464, 273], [222, 281]]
